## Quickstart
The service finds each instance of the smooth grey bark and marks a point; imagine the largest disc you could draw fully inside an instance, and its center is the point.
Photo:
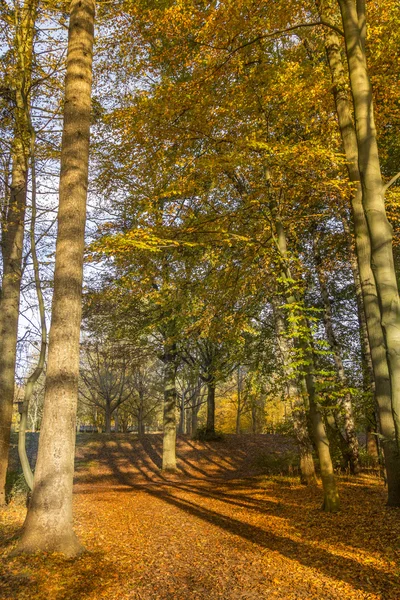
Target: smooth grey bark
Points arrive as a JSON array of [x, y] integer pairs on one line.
[[12, 227], [383, 393], [49, 522], [366, 359], [34, 376], [346, 404], [373, 192], [170, 395]]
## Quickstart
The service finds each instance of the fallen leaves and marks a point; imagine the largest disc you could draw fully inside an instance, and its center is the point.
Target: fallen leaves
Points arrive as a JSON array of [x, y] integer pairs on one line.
[[210, 537]]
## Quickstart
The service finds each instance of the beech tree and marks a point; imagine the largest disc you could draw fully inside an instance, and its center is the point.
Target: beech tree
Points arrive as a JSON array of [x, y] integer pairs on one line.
[[48, 524], [17, 91]]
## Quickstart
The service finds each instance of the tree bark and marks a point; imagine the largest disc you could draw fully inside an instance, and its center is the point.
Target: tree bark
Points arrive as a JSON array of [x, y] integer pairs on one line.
[[296, 401], [181, 426], [32, 379], [141, 426], [366, 359], [347, 409], [12, 224], [331, 496], [49, 523], [107, 418], [380, 230], [239, 398], [210, 425], [116, 421], [376, 337], [169, 436]]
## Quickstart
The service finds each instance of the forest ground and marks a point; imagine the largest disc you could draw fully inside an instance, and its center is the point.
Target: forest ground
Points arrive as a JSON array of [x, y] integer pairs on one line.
[[225, 527]]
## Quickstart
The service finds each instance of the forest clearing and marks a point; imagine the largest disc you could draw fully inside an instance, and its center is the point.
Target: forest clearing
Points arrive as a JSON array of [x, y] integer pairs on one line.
[[209, 532]]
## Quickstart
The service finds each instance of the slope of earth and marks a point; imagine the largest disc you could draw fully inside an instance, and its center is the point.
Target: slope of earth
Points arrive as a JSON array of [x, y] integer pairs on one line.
[[218, 530]]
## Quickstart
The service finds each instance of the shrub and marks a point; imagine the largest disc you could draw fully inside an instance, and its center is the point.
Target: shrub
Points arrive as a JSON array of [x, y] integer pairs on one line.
[[203, 435], [278, 464], [17, 489]]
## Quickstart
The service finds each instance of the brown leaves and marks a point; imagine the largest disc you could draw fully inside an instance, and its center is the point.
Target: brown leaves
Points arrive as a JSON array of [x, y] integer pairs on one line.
[[224, 537]]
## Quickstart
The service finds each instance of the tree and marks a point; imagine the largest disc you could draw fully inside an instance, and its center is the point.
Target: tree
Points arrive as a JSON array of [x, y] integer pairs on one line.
[[13, 217], [370, 294], [106, 373], [48, 524]]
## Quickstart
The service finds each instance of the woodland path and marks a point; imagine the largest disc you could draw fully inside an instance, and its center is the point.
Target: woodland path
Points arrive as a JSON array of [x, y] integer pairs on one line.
[[219, 530]]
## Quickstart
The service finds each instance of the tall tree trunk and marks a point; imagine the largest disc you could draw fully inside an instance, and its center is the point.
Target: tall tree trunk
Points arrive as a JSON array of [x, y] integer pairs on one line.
[[32, 379], [169, 436], [331, 496], [347, 409], [254, 423], [376, 338], [366, 359], [181, 426], [49, 524], [195, 407], [239, 399], [296, 401], [12, 224], [210, 425], [194, 418], [380, 230]]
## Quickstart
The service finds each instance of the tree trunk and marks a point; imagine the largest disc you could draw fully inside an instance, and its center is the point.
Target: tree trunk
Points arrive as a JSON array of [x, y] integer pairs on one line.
[[32, 379], [239, 406], [141, 426], [367, 280], [116, 421], [48, 525], [254, 418], [169, 437], [181, 426], [194, 419], [12, 224], [372, 443], [296, 400], [380, 230], [331, 496], [210, 426], [366, 359], [347, 409], [107, 418]]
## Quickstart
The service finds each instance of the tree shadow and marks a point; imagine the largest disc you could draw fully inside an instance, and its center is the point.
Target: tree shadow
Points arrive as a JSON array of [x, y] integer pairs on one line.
[[362, 577], [346, 569], [54, 577]]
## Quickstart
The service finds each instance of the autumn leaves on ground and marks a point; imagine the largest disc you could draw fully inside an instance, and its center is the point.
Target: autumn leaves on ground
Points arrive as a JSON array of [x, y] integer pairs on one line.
[[224, 527]]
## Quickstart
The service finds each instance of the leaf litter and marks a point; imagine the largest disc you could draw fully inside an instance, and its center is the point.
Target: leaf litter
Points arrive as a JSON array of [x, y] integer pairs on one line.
[[219, 529]]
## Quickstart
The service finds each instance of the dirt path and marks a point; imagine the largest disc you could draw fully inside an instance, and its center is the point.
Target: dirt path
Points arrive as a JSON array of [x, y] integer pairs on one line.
[[193, 537]]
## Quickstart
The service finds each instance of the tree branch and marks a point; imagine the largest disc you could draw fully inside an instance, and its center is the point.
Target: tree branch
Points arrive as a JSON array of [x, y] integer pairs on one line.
[[391, 182]]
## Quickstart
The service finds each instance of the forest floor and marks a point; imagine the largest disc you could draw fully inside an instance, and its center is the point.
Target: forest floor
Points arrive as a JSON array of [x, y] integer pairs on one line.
[[223, 528]]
